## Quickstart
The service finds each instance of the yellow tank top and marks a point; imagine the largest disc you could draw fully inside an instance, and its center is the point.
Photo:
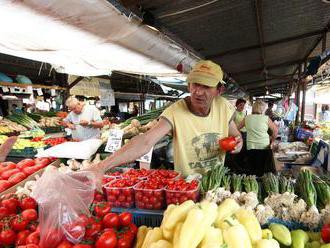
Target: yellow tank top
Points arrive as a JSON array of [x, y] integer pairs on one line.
[[195, 138]]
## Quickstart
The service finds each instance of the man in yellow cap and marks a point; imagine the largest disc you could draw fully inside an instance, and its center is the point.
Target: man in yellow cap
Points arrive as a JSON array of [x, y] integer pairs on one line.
[[196, 123]]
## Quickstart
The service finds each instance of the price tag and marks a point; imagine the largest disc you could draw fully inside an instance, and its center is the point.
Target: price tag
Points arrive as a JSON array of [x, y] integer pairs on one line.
[[39, 92], [5, 89], [29, 89], [52, 92], [147, 157], [114, 140]]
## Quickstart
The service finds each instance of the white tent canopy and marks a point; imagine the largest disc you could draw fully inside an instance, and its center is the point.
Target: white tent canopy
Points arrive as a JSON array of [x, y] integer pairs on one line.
[[87, 38]]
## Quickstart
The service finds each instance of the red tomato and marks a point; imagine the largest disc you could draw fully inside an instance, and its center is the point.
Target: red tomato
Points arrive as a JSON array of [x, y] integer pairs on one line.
[[11, 204], [7, 166], [29, 246], [227, 144], [16, 178], [111, 220], [133, 229], [325, 233], [25, 163], [92, 229], [30, 170], [74, 231], [6, 174], [98, 196], [19, 224], [7, 237], [65, 244], [21, 237], [107, 240], [33, 238], [28, 203], [123, 242], [125, 219], [83, 219], [4, 184], [102, 208], [30, 214], [3, 212]]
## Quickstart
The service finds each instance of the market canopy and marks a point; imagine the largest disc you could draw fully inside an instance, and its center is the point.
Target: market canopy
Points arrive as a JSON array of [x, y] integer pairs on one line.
[[86, 38], [258, 43]]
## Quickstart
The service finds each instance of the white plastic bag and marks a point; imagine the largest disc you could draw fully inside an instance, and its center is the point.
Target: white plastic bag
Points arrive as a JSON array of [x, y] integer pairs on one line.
[[61, 199], [77, 150]]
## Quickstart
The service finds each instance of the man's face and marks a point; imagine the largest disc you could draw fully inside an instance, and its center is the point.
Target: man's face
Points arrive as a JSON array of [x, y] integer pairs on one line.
[[201, 95], [76, 108], [240, 107]]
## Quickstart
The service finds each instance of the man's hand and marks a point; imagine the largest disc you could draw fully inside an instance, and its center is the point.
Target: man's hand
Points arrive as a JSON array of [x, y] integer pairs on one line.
[[239, 145], [84, 123], [98, 172], [71, 126]]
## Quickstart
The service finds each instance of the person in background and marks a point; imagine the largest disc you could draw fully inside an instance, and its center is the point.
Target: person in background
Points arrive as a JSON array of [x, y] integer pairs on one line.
[[258, 142], [16, 109], [196, 123], [84, 120], [240, 115], [135, 111], [324, 114], [269, 110]]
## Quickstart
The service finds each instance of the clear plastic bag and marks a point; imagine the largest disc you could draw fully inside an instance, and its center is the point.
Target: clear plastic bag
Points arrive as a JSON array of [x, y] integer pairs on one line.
[[62, 198]]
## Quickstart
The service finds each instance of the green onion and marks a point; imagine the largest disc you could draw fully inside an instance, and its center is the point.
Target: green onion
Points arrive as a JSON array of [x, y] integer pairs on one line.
[[270, 183], [236, 182], [305, 187]]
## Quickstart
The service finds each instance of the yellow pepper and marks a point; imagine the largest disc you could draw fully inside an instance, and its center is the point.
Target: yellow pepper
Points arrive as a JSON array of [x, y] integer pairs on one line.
[[161, 244], [210, 214], [267, 234], [141, 234], [213, 237], [251, 224], [176, 236], [237, 237], [226, 209], [175, 215], [152, 236], [190, 228], [267, 243]]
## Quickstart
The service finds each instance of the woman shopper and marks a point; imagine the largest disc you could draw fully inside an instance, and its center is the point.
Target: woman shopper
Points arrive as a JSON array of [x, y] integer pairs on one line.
[[258, 142]]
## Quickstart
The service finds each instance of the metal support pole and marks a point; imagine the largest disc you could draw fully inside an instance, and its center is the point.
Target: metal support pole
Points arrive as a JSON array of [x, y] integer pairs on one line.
[[304, 86], [298, 95]]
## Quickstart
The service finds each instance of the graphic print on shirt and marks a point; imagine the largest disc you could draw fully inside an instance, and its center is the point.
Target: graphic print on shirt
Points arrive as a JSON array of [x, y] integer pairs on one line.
[[206, 150]]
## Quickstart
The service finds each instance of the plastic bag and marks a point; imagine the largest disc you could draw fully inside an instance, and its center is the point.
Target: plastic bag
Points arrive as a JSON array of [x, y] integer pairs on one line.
[[77, 150], [62, 198]]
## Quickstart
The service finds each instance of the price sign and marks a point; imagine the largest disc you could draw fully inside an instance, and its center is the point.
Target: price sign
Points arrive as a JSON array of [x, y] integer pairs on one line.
[[39, 92], [114, 140], [147, 157]]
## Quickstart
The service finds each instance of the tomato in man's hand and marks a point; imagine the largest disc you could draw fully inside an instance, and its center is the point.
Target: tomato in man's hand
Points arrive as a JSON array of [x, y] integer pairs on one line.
[[227, 144]]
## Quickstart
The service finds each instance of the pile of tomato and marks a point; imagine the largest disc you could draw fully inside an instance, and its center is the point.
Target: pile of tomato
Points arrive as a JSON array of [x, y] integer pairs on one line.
[[101, 228], [170, 174], [11, 173], [55, 141], [18, 221], [120, 192], [137, 173], [179, 191]]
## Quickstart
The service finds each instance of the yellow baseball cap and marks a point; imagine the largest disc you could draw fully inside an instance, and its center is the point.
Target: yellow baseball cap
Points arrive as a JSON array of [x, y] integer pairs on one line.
[[207, 73]]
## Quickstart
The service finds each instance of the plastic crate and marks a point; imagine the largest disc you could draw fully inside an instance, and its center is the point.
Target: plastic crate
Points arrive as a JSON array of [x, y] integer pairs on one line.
[[150, 218], [57, 129], [27, 152], [292, 225], [303, 134]]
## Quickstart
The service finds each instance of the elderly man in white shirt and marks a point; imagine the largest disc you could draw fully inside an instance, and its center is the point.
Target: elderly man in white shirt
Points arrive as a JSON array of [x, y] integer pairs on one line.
[[84, 120]]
